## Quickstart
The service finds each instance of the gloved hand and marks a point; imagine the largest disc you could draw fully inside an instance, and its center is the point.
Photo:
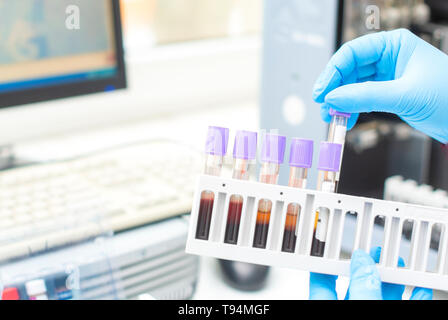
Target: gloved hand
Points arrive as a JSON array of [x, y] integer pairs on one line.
[[392, 71], [365, 282]]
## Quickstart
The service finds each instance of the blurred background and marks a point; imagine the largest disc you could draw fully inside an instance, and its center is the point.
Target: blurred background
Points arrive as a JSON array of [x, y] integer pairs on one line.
[[161, 22], [99, 164]]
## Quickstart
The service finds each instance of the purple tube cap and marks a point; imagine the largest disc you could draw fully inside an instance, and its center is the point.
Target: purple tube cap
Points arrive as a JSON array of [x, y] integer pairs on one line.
[[301, 153], [273, 149], [216, 143], [333, 112], [329, 156], [245, 146]]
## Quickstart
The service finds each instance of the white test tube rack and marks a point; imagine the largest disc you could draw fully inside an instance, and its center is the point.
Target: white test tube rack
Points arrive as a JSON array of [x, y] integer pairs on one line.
[[394, 213]]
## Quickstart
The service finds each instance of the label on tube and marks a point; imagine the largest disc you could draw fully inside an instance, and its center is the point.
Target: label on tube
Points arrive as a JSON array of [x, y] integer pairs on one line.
[[328, 186], [339, 134], [322, 224], [304, 184]]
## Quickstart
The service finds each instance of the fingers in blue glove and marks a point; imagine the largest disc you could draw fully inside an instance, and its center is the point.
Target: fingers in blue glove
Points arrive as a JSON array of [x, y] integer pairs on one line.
[[395, 72], [367, 97], [322, 287], [421, 294], [389, 291], [365, 281], [352, 61]]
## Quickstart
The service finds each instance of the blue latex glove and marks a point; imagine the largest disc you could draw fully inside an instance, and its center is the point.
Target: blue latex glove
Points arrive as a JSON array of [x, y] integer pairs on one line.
[[392, 71], [365, 282]]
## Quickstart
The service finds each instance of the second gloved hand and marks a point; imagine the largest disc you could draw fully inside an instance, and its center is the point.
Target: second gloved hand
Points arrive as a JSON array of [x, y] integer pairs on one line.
[[365, 282], [394, 72]]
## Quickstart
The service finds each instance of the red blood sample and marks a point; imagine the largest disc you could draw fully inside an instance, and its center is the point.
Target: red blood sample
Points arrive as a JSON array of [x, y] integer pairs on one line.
[[205, 215], [262, 224], [289, 235], [233, 219]]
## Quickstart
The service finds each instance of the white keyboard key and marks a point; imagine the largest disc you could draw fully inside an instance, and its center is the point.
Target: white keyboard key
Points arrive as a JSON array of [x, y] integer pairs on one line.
[[41, 214], [5, 211], [112, 213], [6, 223], [23, 219], [56, 202], [6, 194], [15, 233], [44, 226], [38, 205]]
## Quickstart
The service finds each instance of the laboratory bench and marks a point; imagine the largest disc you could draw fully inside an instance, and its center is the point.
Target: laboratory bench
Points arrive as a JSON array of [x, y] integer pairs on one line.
[[188, 128]]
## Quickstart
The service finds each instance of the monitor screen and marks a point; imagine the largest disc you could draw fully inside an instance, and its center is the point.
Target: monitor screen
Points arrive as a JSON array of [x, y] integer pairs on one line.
[[53, 49]]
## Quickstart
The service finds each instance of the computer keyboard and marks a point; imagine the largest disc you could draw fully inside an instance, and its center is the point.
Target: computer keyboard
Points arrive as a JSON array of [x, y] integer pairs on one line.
[[49, 205]]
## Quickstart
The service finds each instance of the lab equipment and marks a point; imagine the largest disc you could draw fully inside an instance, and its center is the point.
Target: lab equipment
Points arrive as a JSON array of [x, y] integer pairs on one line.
[[397, 188], [148, 260], [215, 150], [287, 85], [293, 31], [272, 153], [410, 84], [418, 271], [336, 134], [370, 153], [36, 289], [300, 160], [365, 282], [10, 294], [329, 163], [59, 203], [244, 151], [429, 22]]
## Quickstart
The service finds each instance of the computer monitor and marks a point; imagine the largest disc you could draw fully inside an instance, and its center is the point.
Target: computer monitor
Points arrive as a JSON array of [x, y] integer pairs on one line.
[[57, 49]]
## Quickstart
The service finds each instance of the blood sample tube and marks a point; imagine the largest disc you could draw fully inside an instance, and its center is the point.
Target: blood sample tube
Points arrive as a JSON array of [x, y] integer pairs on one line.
[[215, 150], [244, 151], [336, 134], [300, 160], [272, 153], [329, 163]]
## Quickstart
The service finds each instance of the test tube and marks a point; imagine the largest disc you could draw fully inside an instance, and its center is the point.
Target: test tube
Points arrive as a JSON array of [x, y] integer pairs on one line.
[[336, 134], [244, 151], [300, 160], [272, 153], [215, 150], [329, 162]]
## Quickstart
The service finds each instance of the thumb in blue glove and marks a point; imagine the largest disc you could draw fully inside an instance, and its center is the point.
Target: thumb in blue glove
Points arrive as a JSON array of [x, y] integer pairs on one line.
[[365, 281], [395, 72]]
